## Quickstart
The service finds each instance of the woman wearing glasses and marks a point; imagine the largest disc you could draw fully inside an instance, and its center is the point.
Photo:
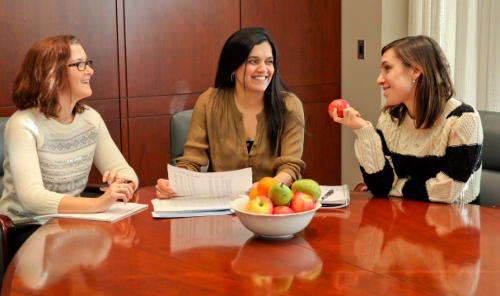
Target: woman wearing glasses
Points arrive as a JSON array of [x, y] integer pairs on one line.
[[53, 139], [249, 119]]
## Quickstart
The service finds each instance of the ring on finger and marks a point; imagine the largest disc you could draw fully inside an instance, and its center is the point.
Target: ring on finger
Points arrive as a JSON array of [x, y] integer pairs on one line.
[[121, 189]]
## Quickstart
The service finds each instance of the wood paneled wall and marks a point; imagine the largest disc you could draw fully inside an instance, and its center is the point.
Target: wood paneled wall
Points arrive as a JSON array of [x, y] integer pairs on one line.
[[154, 58]]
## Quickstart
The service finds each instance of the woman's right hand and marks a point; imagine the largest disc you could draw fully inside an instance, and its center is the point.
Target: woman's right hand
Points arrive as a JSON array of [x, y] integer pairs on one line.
[[351, 119], [118, 190], [163, 189]]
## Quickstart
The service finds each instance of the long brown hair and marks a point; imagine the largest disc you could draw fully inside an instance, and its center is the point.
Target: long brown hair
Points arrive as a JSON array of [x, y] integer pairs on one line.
[[434, 87], [235, 53], [43, 74]]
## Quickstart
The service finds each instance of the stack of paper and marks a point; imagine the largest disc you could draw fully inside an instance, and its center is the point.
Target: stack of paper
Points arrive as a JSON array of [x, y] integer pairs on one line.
[[339, 197], [192, 206], [202, 194]]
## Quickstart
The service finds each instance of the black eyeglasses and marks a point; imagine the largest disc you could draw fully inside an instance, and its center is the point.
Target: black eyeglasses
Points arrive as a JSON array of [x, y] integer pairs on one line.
[[81, 66]]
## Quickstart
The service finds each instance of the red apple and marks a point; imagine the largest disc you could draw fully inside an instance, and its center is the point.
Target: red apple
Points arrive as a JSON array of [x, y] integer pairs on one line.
[[302, 202], [340, 105], [260, 205], [282, 210]]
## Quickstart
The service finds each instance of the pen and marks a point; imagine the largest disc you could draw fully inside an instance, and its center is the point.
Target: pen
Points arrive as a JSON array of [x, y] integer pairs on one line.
[[107, 185], [330, 192]]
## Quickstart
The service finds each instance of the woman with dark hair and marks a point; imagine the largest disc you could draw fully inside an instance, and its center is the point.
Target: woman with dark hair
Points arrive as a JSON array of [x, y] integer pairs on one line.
[[427, 145], [53, 139], [250, 119]]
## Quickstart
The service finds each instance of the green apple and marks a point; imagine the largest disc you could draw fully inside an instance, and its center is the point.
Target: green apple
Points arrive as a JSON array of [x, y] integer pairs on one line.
[[308, 186], [280, 194]]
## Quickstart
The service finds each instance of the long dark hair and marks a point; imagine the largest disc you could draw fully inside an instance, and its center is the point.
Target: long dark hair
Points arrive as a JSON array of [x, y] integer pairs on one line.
[[43, 74], [234, 53], [434, 87]]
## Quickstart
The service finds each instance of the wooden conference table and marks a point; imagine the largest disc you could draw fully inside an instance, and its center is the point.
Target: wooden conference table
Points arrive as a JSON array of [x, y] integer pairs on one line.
[[375, 246]]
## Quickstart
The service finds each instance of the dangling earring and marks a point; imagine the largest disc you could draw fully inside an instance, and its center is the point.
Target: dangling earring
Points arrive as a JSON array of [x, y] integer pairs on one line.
[[413, 81], [232, 77]]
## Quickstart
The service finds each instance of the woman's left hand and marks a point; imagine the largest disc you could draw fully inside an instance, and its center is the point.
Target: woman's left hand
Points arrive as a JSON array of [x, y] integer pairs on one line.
[[351, 118], [109, 177], [118, 190]]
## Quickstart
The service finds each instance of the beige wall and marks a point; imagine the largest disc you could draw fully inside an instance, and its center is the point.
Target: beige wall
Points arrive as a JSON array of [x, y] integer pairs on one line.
[[394, 24], [377, 22]]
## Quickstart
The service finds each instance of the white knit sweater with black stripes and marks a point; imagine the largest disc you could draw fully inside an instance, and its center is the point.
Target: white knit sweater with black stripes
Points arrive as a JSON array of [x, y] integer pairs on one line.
[[440, 164]]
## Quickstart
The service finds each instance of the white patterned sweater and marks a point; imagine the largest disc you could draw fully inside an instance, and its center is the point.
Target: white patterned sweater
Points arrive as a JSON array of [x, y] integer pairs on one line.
[[46, 160], [440, 164]]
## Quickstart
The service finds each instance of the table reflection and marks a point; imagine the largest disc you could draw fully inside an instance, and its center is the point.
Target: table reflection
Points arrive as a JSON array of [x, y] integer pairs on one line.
[[62, 246], [273, 264], [447, 256], [206, 232]]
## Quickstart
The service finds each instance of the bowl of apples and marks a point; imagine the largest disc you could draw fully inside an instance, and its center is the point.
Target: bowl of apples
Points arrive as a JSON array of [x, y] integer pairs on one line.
[[273, 210]]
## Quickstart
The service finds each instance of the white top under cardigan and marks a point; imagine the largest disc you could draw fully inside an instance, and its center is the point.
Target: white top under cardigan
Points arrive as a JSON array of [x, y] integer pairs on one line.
[[46, 160], [440, 164]]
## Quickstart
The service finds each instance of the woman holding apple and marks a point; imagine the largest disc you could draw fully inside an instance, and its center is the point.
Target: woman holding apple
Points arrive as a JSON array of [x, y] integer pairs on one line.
[[250, 118], [427, 145]]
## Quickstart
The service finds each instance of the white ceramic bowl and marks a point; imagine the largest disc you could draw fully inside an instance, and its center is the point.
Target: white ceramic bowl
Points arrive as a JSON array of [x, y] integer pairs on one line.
[[272, 226]]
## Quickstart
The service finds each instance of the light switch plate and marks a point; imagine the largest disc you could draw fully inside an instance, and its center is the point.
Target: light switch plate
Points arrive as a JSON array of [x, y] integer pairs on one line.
[[361, 49]]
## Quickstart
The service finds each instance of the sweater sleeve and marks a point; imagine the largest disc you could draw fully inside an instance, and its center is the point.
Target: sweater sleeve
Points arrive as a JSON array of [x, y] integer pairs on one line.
[[108, 157], [376, 166], [195, 149], [21, 155], [461, 161], [292, 141]]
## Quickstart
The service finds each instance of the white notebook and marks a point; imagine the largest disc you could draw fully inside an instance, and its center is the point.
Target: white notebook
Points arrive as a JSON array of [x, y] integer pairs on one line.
[[338, 197], [118, 211]]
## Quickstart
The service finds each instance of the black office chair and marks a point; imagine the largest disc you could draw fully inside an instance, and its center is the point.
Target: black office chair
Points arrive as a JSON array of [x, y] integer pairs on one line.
[[179, 126], [490, 176], [7, 228]]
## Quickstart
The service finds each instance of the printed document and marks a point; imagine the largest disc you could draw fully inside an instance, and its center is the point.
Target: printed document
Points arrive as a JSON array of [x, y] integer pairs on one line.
[[184, 182], [202, 194]]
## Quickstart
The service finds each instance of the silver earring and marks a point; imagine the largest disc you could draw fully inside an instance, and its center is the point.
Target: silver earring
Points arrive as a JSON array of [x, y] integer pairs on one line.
[[413, 81], [232, 77]]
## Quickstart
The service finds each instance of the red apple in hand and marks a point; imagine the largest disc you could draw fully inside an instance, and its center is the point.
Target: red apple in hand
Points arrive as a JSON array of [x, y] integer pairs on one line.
[[260, 205], [340, 105], [302, 202], [282, 210]]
